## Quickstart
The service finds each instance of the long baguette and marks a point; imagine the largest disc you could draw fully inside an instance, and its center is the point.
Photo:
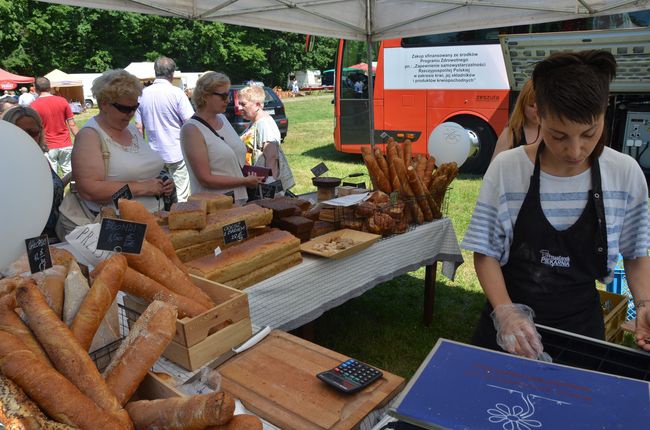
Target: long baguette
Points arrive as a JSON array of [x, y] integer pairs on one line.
[[374, 170], [153, 263], [383, 165], [139, 285], [68, 356], [135, 211], [414, 207], [182, 413], [51, 282], [100, 297], [51, 391], [146, 340], [420, 194], [428, 171], [408, 152], [391, 154], [11, 323]]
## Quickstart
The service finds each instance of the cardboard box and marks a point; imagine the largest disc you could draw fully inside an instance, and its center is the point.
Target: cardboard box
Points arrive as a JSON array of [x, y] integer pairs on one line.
[[206, 336]]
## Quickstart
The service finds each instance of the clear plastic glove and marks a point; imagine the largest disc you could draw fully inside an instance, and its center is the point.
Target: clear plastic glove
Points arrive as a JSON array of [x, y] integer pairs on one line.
[[516, 332]]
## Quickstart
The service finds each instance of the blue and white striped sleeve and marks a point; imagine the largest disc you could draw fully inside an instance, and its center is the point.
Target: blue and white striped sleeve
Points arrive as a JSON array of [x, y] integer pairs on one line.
[[634, 240]]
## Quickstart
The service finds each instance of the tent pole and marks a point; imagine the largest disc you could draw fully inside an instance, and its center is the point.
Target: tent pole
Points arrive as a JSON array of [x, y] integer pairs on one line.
[[371, 92]]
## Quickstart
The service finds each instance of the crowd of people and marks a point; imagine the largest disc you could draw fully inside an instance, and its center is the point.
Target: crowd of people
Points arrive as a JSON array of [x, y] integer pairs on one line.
[[167, 152]]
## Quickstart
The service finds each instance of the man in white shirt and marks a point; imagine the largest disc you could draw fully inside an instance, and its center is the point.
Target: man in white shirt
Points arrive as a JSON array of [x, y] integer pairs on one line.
[[163, 110], [26, 98]]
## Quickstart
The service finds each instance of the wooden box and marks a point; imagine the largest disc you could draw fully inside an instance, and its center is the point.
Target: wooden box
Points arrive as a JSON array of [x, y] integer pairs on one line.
[[206, 336], [614, 312], [153, 387]]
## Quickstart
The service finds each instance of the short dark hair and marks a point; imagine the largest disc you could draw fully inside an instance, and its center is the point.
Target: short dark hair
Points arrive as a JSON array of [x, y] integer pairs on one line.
[[164, 67], [42, 84], [575, 86]]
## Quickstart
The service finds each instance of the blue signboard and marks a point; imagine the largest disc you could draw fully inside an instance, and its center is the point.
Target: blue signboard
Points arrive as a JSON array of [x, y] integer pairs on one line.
[[464, 387]]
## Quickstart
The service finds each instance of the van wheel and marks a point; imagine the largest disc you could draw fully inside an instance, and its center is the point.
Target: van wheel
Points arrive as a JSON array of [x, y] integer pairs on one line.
[[487, 139], [88, 104]]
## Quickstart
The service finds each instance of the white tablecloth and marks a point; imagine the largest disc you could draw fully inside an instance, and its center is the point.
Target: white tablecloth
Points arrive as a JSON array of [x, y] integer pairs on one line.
[[302, 293]]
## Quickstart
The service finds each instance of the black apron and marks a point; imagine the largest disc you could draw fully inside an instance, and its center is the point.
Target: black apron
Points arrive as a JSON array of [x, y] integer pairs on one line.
[[552, 271]]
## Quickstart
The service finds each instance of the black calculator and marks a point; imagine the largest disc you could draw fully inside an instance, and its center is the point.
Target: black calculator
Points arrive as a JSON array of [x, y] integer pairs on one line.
[[350, 376]]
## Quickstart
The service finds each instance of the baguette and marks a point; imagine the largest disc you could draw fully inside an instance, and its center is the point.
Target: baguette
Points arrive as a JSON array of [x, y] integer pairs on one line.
[[420, 193], [240, 422], [8, 285], [76, 288], [428, 171], [11, 323], [420, 166], [414, 207], [135, 211], [51, 391], [380, 180], [68, 356], [408, 152], [154, 264], [391, 154], [18, 412], [182, 413], [146, 340], [266, 271], [51, 282], [139, 285], [383, 165], [100, 297]]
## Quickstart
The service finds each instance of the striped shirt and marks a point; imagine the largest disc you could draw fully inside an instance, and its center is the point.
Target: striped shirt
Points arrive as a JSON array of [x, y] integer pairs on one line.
[[505, 184]]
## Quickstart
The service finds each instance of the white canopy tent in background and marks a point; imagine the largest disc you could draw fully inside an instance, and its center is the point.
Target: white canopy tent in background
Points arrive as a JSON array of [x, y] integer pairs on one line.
[[145, 72], [66, 86]]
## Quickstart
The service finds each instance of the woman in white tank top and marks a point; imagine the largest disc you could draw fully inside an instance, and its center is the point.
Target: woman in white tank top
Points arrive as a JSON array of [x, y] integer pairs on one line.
[[212, 149]]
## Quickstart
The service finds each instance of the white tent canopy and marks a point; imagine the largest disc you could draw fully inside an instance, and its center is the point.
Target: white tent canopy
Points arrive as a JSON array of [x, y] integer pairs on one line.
[[374, 19], [145, 72], [61, 79]]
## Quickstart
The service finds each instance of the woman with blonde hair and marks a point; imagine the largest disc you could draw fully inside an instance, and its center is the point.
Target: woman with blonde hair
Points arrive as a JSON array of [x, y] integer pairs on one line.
[[264, 136], [110, 153], [523, 127], [30, 121], [212, 149]]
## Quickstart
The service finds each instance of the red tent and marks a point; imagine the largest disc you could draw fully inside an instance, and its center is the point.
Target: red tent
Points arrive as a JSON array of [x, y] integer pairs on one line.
[[9, 81]]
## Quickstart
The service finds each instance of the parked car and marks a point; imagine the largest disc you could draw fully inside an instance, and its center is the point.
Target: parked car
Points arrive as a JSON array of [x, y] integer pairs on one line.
[[272, 104]]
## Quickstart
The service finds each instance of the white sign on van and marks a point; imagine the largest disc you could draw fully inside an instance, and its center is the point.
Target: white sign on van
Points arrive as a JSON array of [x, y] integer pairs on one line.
[[463, 67]]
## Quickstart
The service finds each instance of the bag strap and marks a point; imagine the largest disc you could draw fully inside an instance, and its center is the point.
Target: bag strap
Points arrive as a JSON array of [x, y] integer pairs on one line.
[[205, 123], [106, 155]]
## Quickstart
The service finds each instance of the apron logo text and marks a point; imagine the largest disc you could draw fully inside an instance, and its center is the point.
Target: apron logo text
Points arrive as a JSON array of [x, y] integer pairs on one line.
[[554, 260]]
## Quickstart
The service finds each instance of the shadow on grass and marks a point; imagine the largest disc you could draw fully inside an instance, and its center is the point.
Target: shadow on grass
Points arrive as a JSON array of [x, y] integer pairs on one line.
[[328, 153], [383, 327]]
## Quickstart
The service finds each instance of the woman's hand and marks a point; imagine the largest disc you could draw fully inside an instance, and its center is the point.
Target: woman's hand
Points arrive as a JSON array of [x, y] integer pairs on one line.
[[168, 187], [642, 332], [252, 180], [151, 187]]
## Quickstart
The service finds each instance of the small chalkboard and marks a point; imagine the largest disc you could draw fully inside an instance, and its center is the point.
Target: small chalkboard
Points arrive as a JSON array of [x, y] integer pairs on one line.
[[38, 253], [121, 236], [268, 191], [319, 169], [122, 193], [235, 232], [354, 184], [231, 194]]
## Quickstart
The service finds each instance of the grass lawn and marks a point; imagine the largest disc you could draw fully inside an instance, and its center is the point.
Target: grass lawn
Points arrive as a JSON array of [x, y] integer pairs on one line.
[[383, 326]]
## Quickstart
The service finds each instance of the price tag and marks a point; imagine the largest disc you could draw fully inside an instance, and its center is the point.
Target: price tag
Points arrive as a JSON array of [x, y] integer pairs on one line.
[[121, 236], [231, 194], [217, 251], [393, 197], [235, 232], [38, 253], [268, 190], [319, 169], [122, 193]]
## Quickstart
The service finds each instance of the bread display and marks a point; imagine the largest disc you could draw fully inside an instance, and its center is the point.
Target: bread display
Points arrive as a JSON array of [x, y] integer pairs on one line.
[[214, 201], [188, 215], [146, 340], [182, 413], [239, 260], [98, 300]]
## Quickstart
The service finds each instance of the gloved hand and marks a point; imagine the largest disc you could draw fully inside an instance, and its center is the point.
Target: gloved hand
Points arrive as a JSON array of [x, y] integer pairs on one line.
[[516, 332]]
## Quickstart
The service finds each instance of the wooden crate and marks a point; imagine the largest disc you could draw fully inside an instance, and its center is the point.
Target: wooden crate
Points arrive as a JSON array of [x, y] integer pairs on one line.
[[206, 336], [152, 387], [614, 311]]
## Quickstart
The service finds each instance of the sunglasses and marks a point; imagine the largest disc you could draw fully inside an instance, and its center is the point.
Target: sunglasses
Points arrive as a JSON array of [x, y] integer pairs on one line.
[[125, 108], [224, 96]]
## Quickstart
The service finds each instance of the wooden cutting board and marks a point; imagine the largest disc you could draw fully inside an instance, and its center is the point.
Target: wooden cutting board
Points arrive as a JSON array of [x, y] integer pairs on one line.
[[276, 380]]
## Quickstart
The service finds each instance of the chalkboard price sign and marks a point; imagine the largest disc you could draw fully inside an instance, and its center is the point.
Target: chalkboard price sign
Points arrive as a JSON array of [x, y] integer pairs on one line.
[[38, 253], [268, 190], [235, 232], [122, 193], [319, 169], [121, 236]]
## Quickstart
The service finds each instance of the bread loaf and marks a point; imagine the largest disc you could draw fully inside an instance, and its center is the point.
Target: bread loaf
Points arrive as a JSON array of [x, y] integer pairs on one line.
[[11, 323], [139, 285], [188, 215], [280, 208], [322, 227], [182, 413], [266, 271], [51, 282], [253, 215], [214, 201], [155, 265], [240, 422], [18, 412], [51, 391], [183, 238], [68, 356], [146, 340], [100, 297], [243, 258], [135, 211], [199, 250]]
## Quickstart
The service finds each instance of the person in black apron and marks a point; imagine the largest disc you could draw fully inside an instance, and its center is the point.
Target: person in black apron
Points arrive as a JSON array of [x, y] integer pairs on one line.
[[550, 274], [552, 271]]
